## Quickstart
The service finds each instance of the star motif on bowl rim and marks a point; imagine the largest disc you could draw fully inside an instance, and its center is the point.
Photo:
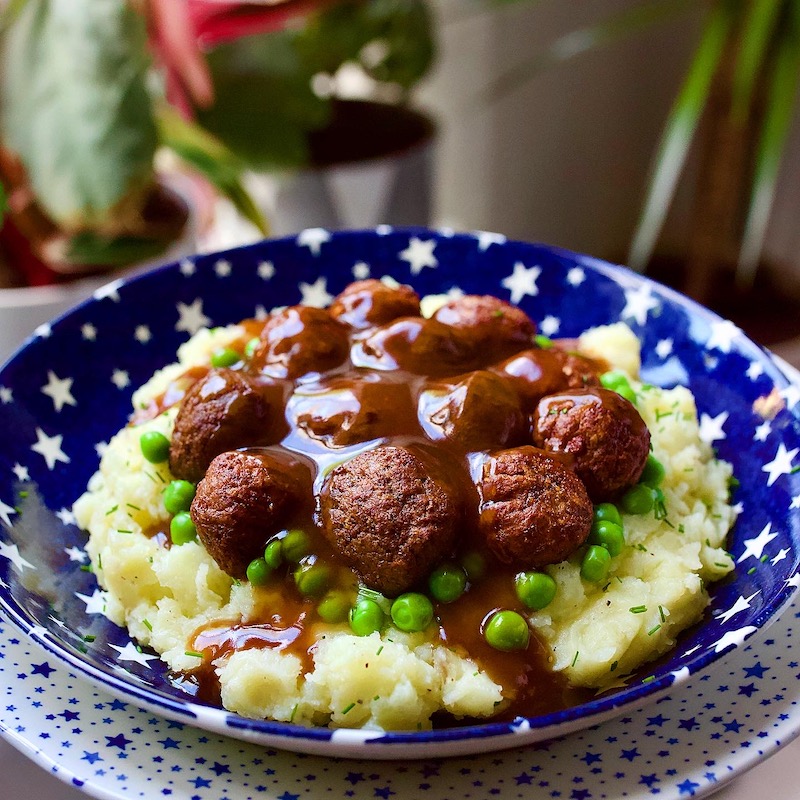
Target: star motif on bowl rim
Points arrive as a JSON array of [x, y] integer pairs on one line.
[[313, 239], [781, 464], [49, 448], [88, 332], [754, 548], [11, 552], [21, 472], [315, 294], [419, 254], [639, 302], [522, 281], [265, 270], [59, 390], [191, 317]]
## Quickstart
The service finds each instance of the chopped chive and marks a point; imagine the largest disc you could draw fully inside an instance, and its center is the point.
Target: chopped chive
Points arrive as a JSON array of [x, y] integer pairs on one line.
[[653, 630], [23, 493], [764, 558], [377, 697], [637, 609], [575, 660], [380, 650], [150, 476], [99, 561], [294, 711], [751, 570], [614, 666], [681, 529], [111, 510], [649, 679], [89, 637], [119, 530], [661, 614], [147, 624], [349, 708], [131, 505], [193, 654], [720, 565], [86, 567]]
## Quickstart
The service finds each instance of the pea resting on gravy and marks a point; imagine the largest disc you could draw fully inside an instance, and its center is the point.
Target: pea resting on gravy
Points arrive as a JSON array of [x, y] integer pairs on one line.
[[364, 517]]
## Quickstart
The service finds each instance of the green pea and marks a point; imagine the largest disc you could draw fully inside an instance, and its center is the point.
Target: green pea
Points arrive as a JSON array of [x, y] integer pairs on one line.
[[258, 572], [178, 496], [507, 630], [412, 611], [295, 545], [607, 511], [653, 474], [545, 342], [250, 347], [366, 617], [273, 553], [182, 529], [155, 446], [596, 563], [334, 607], [474, 565], [224, 357], [535, 589], [609, 535], [638, 500], [312, 578], [618, 382], [447, 583]]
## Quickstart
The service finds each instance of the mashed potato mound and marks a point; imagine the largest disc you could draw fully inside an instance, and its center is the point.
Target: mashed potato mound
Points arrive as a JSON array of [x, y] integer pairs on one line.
[[394, 680]]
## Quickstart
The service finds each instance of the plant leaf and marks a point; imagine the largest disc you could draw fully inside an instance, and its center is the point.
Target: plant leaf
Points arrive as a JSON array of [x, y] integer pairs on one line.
[[90, 249], [781, 102], [75, 106], [199, 149], [678, 132], [10, 13]]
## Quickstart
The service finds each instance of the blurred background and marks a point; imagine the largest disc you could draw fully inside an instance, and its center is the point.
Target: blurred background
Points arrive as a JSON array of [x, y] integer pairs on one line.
[[662, 134]]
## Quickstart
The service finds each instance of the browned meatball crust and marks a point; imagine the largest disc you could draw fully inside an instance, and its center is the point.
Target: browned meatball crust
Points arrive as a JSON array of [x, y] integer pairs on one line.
[[602, 432], [299, 340], [371, 302], [223, 411], [537, 372], [534, 510], [391, 513], [245, 498], [489, 324], [479, 412]]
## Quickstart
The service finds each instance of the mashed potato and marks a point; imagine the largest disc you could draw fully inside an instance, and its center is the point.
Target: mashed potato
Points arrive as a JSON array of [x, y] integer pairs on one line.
[[393, 680]]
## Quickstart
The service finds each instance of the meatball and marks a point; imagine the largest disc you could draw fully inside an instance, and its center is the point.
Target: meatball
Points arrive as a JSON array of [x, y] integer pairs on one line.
[[537, 372], [392, 514], [534, 510], [479, 412], [602, 432], [414, 344], [488, 324], [345, 411], [245, 498], [223, 411], [299, 340], [364, 304]]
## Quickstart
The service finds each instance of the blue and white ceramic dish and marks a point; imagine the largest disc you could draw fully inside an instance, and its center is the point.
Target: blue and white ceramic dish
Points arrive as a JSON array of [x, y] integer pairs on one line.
[[68, 390]]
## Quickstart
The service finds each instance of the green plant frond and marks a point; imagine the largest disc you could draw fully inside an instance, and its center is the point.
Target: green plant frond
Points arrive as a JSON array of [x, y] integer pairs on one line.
[[615, 28], [10, 13], [211, 158], [781, 97], [678, 133], [758, 28]]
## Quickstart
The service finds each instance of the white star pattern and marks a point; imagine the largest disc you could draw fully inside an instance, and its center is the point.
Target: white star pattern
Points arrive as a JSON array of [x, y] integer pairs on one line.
[[89, 332], [522, 281], [722, 335], [192, 317], [664, 348], [11, 552], [741, 604], [49, 447], [419, 254], [6, 395], [222, 268], [794, 581], [361, 271], [21, 472], [711, 427], [791, 394], [187, 268], [779, 556], [261, 312], [781, 464], [737, 508], [130, 653], [733, 638], [383, 230], [680, 675], [754, 371], [4, 513], [120, 379], [550, 325], [59, 391], [266, 270], [639, 303], [96, 604], [795, 502], [486, 239], [66, 516], [763, 431], [576, 276], [110, 290], [142, 334], [76, 554], [313, 239], [315, 294], [43, 331], [754, 548]]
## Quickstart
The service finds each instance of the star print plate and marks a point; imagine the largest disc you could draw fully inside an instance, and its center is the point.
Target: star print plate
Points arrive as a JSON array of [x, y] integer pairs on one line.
[[68, 390]]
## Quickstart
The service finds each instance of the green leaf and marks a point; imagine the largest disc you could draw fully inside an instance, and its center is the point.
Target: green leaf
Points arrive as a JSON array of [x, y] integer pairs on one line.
[[90, 249], [10, 13], [211, 158], [678, 132], [75, 106], [781, 103]]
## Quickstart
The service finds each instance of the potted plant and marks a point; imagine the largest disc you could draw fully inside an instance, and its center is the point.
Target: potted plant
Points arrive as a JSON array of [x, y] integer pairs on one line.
[[284, 106]]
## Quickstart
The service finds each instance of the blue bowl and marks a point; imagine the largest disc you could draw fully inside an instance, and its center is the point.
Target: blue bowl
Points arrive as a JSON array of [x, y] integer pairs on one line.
[[69, 389]]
